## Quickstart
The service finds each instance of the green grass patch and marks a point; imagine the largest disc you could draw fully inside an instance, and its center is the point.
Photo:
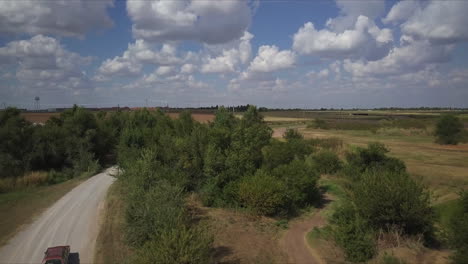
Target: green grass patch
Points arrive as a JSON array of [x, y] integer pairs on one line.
[[445, 211]]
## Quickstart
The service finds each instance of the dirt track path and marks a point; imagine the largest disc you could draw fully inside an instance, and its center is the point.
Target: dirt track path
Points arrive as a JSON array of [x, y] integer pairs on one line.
[[294, 241], [73, 220]]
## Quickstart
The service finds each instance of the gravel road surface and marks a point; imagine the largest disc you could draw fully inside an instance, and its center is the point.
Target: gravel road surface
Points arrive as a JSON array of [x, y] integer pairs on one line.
[[73, 220]]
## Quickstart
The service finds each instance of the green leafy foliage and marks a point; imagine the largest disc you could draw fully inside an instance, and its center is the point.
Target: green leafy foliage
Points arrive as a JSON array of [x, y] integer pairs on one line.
[[380, 196], [325, 161], [177, 245], [389, 199], [352, 234], [449, 130], [75, 140], [372, 157], [458, 230], [263, 193]]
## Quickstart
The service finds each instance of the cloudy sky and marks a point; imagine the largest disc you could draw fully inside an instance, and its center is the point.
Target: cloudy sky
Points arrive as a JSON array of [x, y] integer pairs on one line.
[[303, 53]]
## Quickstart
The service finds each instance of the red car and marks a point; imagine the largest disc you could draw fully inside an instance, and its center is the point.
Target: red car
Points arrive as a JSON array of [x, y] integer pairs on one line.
[[56, 255]]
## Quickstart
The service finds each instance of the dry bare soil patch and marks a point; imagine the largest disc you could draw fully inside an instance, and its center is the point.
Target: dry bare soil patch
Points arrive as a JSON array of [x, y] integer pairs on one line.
[[240, 237]]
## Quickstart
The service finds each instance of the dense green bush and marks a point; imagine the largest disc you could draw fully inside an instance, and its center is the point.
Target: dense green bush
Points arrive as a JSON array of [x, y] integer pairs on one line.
[[389, 199], [300, 180], [182, 245], [373, 157], [263, 193], [449, 130], [325, 161], [353, 234], [458, 230], [279, 153]]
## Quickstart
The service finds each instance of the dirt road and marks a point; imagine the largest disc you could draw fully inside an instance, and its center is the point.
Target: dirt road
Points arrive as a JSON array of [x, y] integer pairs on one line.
[[294, 241], [73, 220]]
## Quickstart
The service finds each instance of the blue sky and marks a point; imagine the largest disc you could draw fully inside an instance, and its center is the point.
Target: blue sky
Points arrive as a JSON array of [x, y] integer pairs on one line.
[[305, 53]]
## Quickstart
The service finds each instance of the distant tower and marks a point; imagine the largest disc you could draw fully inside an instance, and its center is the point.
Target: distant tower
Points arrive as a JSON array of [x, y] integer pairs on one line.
[[37, 103]]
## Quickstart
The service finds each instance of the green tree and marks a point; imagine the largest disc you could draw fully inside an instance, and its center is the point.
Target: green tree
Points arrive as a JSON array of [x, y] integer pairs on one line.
[[448, 130], [15, 143]]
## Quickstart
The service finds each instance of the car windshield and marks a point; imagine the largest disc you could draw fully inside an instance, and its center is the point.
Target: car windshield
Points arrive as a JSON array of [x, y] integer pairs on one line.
[[53, 261]]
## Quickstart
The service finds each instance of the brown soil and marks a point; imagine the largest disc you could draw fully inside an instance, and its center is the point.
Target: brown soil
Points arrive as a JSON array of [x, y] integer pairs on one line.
[[202, 118], [38, 117], [240, 237], [279, 132]]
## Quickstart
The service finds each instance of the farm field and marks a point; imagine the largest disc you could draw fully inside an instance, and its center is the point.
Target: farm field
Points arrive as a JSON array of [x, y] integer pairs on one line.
[[444, 168]]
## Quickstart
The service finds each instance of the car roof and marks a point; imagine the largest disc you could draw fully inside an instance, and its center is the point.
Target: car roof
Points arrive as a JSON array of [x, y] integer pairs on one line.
[[55, 251]]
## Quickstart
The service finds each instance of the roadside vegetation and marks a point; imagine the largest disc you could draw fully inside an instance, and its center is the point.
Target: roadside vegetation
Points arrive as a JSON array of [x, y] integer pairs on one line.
[[76, 142]]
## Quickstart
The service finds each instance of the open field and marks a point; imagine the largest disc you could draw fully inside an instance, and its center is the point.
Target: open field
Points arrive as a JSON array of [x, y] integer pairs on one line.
[[444, 168]]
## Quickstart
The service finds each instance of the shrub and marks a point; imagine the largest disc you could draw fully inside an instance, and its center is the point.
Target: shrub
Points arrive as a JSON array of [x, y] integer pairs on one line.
[[182, 245], [151, 213], [292, 134], [458, 230], [352, 233], [373, 157], [262, 193], [300, 180], [54, 177], [389, 199], [279, 153], [448, 130], [325, 161]]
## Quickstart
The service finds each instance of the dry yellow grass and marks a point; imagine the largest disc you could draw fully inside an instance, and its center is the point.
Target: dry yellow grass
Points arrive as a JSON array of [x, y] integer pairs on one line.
[[30, 179], [110, 244], [443, 168]]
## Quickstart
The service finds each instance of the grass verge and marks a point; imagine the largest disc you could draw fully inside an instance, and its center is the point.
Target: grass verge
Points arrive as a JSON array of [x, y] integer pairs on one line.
[[110, 244], [19, 207]]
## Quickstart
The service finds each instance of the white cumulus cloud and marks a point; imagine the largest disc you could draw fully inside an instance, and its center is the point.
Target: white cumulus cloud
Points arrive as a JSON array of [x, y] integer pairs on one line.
[[64, 18], [43, 63], [439, 21], [199, 20], [364, 40], [231, 58], [270, 58], [137, 54]]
